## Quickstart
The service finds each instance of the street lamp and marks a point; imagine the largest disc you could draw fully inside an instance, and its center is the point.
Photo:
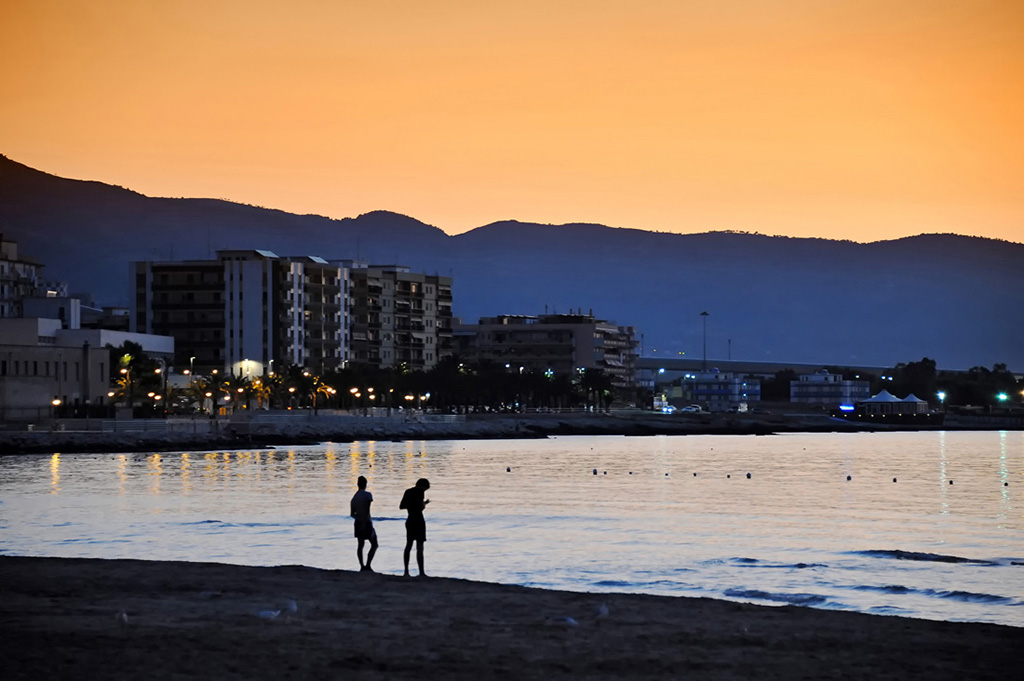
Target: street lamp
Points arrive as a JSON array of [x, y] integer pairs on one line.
[[942, 401], [704, 316], [161, 372]]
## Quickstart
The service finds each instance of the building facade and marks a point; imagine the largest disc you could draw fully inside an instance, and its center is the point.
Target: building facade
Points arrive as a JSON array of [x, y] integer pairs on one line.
[[556, 343], [828, 389], [46, 371], [715, 390], [398, 317], [246, 311], [19, 279]]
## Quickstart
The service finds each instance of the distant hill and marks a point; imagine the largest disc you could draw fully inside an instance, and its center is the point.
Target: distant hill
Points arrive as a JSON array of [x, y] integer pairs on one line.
[[956, 299]]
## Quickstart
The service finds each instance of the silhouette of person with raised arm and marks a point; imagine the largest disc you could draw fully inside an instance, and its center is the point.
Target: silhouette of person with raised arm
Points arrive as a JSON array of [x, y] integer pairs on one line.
[[415, 524], [360, 510]]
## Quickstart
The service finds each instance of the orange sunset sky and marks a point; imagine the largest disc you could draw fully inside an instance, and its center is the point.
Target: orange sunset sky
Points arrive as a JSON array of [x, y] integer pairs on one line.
[[856, 120]]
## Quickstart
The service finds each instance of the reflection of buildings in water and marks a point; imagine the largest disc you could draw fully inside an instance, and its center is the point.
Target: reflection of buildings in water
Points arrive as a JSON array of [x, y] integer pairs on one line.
[[1006, 501], [291, 470], [122, 473], [210, 468], [155, 471], [330, 464], [55, 474], [186, 473]]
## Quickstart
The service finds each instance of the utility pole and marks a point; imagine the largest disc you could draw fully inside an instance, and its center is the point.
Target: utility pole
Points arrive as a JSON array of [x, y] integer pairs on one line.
[[704, 364]]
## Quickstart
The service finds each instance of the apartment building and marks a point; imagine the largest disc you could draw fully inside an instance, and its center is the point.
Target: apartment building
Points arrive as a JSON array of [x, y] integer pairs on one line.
[[246, 310], [398, 317], [828, 389], [559, 343], [19, 278]]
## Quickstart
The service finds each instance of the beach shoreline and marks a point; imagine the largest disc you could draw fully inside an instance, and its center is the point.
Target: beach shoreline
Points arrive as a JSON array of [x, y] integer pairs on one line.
[[120, 619]]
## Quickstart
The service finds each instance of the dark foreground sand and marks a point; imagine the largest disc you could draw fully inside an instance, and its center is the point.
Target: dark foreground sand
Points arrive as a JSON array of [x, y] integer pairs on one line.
[[61, 619]]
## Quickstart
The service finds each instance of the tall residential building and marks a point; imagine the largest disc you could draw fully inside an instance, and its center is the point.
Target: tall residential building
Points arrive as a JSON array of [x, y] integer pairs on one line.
[[19, 278], [399, 317], [246, 311], [560, 343]]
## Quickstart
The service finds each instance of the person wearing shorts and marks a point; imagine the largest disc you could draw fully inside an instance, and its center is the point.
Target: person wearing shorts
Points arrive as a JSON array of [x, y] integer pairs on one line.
[[360, 511], [415, 524]]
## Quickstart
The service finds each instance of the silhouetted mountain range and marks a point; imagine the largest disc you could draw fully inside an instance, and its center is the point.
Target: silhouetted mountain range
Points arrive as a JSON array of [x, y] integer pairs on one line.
[[956, 299]]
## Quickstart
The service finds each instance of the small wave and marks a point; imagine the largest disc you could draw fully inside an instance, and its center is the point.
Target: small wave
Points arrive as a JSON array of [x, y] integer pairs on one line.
[[753, 562], [887, 610], [887, 589], [969, 597], [640, 585], [791, 599], [966, 596], [917, 555]]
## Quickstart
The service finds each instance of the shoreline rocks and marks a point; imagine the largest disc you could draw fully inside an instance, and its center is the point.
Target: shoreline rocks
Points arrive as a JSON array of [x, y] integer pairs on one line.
[[261, 432]]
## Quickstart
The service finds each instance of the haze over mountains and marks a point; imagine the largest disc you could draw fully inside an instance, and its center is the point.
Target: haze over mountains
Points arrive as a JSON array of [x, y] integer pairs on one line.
[[956, 299]]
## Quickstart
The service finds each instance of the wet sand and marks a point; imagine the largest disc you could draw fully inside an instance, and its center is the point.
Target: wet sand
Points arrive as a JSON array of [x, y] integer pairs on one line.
[[66, 618]]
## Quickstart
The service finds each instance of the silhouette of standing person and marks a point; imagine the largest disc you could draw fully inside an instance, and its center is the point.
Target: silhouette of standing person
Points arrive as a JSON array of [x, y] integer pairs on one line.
[[415, 524], [360, 510]]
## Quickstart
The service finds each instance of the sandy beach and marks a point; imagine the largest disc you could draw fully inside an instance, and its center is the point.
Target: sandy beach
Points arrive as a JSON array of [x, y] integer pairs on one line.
[[68, 618]]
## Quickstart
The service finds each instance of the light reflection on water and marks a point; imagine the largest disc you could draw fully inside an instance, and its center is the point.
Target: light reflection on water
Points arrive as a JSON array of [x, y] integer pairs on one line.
[[667, 515]]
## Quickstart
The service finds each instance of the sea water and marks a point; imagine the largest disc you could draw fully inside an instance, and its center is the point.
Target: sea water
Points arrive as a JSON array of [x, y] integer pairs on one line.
[[927, 524]]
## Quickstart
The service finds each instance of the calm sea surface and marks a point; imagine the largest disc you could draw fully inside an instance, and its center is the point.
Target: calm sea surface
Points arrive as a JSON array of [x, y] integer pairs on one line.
[[663, 515]]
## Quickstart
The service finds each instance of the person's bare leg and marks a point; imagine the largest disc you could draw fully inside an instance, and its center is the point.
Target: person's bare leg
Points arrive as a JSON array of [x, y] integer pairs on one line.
[[408, 548], [419, 558], [359, 554], [373, 551]]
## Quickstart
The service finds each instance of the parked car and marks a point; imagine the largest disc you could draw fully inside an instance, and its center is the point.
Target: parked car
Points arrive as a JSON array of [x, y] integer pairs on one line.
[[692, 409]]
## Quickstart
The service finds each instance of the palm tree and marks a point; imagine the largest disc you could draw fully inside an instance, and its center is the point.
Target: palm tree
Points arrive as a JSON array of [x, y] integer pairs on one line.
[[260, 389]]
